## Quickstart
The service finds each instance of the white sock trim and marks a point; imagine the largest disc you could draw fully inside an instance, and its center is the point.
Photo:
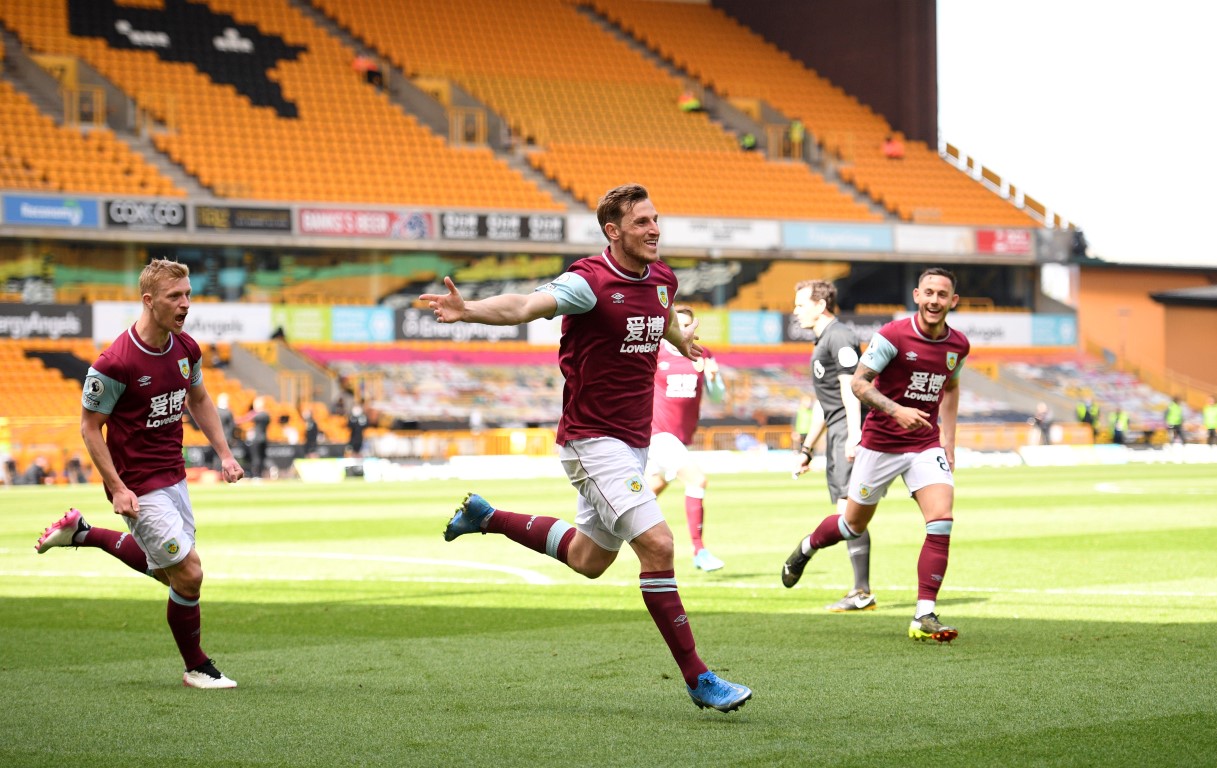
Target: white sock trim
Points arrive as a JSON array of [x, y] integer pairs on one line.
[[554, 537], [175, 597]]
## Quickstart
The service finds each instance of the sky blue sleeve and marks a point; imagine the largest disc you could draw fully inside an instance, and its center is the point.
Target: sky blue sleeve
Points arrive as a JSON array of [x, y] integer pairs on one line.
[[101, 392], [958, 369], [716, 388], [878, 353], [573, 293]]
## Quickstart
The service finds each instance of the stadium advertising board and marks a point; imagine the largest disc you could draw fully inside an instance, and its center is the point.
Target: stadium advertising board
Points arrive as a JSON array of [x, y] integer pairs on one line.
[[1014, 329], [811, 236], [683, 232], [510, 227], [413, 225], [939, 240], [349, 222], [546, 332], [68, 212], [1054, 330], [361, 324], [863, 326], [713, 326], [207, 323], [755, 328], [740, 234], [421, 324], [228, 321], [1020, 242], [225, 218], [991, 329], [46, 321], [302, 322], [145, 215], [583, 229]]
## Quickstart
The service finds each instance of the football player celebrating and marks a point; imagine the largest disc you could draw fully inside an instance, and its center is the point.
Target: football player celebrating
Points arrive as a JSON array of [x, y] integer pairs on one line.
[[909, 378], [617, 306], [137, 389]]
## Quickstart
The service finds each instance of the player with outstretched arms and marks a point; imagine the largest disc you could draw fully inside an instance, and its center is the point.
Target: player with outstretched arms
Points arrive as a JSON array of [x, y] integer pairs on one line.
[[616, 308]]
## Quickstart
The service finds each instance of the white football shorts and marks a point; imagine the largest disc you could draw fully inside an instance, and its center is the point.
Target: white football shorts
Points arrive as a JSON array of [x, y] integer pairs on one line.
[[165, 526], [874, 471], [615, 503], [667, 456]]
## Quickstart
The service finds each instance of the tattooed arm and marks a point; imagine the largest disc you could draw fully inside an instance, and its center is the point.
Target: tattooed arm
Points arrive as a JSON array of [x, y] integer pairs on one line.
[[863, 386]]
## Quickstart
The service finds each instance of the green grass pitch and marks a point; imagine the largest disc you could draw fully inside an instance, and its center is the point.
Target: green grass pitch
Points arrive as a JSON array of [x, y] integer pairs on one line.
[[1086, 600]]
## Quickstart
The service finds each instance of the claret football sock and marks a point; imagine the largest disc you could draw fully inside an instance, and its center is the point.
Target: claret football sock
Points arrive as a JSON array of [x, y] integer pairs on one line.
[[547, 535], [663, 601], [932, 564], [831, 530], [120, 545], [186, 622]]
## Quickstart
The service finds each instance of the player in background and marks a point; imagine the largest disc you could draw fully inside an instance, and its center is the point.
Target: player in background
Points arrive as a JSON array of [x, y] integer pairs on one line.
[[838, 413], [909, 378], [616, 306], [137, 390], [679, 385]]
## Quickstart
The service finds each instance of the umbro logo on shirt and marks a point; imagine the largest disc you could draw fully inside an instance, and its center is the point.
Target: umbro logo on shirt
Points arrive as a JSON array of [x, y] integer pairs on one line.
[[911, 355], [145, 381], [618, 298]]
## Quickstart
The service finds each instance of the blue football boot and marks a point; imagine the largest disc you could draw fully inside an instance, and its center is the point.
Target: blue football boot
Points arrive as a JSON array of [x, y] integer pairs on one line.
[[469, 518], [713, 691]]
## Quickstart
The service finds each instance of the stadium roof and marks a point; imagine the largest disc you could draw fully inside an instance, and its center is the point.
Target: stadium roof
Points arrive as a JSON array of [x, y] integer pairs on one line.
[[1204, 296]]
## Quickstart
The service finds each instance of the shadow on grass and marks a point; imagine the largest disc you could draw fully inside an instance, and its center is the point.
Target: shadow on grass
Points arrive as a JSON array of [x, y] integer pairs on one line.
[[329, 683]]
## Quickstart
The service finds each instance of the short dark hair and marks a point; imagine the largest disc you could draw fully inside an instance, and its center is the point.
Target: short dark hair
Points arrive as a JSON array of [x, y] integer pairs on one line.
[[821, 290], [939, 272], [616, 202]]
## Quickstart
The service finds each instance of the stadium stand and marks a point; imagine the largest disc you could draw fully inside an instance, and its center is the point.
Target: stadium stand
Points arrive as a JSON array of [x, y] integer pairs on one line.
[[36, 154], [1082, 380], [304, 129], [596, 110], [588, 110], [446, 394], [734, 62], [774, 288], [41, 406], [42, 380]]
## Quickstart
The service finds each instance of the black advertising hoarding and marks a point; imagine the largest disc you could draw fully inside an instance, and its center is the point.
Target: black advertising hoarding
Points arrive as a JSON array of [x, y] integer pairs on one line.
[[503, 227], [420, 324], [227, 218], [145, 215], [46, 321]]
